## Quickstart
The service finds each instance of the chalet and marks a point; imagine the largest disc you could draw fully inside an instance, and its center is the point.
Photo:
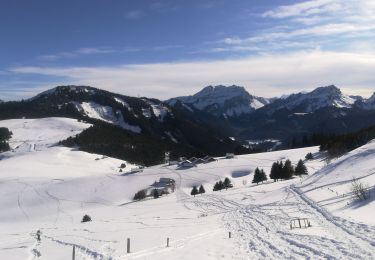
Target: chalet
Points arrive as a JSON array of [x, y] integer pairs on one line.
[[199, 161], [167, 181], [186, 164], [136, 170], [229, 155], [163, 182], [208, 159], [192, 159], [163, 185]]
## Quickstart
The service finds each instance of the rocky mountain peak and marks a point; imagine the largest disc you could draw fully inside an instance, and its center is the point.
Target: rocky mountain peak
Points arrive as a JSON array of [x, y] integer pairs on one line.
[[222, 100]]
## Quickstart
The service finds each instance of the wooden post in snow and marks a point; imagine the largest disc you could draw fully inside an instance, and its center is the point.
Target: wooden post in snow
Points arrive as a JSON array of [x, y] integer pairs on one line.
[[38, 235], [167, 241], [230, 234], [74, 253], [128, 246], [299, 221]]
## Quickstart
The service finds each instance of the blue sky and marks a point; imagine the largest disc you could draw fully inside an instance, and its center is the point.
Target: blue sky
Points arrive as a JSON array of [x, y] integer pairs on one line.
[[167, 48]]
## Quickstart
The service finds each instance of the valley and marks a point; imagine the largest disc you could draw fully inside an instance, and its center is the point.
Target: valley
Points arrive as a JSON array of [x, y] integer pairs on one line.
[[49, 188]]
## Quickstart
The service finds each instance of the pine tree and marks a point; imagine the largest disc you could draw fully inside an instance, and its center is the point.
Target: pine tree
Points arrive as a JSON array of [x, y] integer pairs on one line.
[[287, 170], [227, 183], [263, 175], [201, 189], [277, 171], [155, 193], [280, 167], [301, 168], [86, 218], [140, 195], [309, 156], [194, 191], [216, 187], [273, 174], [221, 185], [257, 176]]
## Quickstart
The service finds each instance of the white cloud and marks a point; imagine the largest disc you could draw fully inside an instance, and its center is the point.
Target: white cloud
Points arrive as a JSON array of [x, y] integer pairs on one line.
[[327, 23], [320, 30], [134, 14], [75, 53], [267, 75], [304, 9], [94, 50]]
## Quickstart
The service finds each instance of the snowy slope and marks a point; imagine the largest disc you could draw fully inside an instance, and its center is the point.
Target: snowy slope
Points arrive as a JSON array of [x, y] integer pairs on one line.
[[331, 186], [39, 134], [106, 113], [50, 190]]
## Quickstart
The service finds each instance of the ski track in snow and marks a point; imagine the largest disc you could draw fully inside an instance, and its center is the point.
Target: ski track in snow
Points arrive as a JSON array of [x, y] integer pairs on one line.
[[262, 231]]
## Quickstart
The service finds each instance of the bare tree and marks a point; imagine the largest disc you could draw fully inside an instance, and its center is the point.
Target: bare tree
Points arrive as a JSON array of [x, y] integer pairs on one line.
[[359, 189]]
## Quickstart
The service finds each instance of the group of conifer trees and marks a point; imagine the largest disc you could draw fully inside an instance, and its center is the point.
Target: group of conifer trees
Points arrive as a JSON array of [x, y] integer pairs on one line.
[[259, 176], [279, 171], [220, 185], [285, 171], [196, 191]]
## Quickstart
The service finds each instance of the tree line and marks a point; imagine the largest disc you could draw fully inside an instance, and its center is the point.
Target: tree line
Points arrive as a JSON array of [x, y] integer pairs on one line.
[[341, 144], [335, 144]]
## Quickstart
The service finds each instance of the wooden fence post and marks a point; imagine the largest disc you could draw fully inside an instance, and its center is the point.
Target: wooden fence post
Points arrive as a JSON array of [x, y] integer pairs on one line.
[[74, 253], [128, 246], [167, 241], [230, 234]]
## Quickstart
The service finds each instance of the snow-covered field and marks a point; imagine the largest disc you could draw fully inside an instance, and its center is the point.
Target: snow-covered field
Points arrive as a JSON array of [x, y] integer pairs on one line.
[[49, 188]]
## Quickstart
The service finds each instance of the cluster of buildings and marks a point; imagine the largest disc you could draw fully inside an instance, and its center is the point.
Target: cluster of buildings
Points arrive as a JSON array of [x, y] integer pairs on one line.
[[194, 161]]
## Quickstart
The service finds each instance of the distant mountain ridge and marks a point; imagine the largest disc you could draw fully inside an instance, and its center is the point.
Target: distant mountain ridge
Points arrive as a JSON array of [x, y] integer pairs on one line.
[[325, 109], [140, 130], [368, 104], [199, 124], [231, 101], [307, 102]]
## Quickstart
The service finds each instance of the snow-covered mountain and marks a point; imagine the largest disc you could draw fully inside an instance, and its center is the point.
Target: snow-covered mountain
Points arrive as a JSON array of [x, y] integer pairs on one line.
[[322, 97], [224, 101], [105, 106], [368, 104], [136, 129], [323, 110]]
